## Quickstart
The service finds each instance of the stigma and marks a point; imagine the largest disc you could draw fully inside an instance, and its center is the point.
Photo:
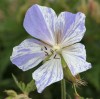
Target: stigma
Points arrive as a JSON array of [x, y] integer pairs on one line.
[[56, 48]]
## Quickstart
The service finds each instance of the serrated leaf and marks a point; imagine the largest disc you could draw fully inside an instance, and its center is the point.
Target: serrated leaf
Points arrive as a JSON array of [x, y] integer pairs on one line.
[[30, 86], [26, 89], [21, 85]]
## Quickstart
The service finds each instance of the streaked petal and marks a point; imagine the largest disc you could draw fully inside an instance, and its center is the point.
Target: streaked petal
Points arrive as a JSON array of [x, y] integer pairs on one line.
[[40, 23], [48, 73], [75, 57], [71, 27], [27, 55]]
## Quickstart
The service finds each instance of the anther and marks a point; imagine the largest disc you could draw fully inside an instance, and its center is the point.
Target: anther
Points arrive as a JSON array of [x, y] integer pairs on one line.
[[55, 57], [51, 51], [46, 53], [45, 48]]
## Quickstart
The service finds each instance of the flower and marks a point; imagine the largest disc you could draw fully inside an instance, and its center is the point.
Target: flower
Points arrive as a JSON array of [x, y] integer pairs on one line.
[[53, 37]]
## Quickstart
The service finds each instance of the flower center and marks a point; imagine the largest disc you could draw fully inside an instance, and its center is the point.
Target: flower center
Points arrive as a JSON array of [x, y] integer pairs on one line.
[[56, 48]]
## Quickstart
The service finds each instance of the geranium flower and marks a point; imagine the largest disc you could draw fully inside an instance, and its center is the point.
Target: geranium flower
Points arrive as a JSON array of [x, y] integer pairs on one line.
[[53, 37]]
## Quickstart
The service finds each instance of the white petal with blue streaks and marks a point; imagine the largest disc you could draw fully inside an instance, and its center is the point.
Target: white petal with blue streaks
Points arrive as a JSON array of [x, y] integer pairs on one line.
[[75, 57], [27, 55], [48, 73], [40, 23], [71, 27]]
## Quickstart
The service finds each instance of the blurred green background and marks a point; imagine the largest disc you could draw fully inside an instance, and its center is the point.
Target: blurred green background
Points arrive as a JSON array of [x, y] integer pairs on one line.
[[12, 33]]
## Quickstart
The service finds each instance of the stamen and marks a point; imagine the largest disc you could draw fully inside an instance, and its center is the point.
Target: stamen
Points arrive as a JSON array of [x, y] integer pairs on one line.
[[55, 57], [45, 48], [41, 49], [51, 51], [46, 53]]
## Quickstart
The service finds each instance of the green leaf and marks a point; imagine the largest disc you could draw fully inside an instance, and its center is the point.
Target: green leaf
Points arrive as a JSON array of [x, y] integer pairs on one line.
[[30, 86], [26, 89], [21, 85]]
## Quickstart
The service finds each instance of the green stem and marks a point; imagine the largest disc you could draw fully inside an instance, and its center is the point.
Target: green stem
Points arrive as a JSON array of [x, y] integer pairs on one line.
[[75, 89], [63, 89]]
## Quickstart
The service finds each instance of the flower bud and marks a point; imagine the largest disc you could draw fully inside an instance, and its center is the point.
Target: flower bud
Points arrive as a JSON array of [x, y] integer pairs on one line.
[[68, 75], [11, 93]]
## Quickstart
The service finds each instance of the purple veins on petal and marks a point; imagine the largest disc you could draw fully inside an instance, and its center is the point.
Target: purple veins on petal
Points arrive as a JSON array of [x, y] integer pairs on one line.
[[48, 73], [27, 54], [75, 57], [54, 35], [71, 27], [40, 23]]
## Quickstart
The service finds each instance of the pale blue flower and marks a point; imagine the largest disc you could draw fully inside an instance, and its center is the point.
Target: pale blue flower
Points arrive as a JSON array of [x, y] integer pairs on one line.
[[55, 36]]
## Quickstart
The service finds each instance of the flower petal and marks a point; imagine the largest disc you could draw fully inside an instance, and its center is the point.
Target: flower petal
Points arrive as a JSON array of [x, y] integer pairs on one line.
[[48, 73], [40, 23], [27, 55], [71, 27], [75, 57]]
